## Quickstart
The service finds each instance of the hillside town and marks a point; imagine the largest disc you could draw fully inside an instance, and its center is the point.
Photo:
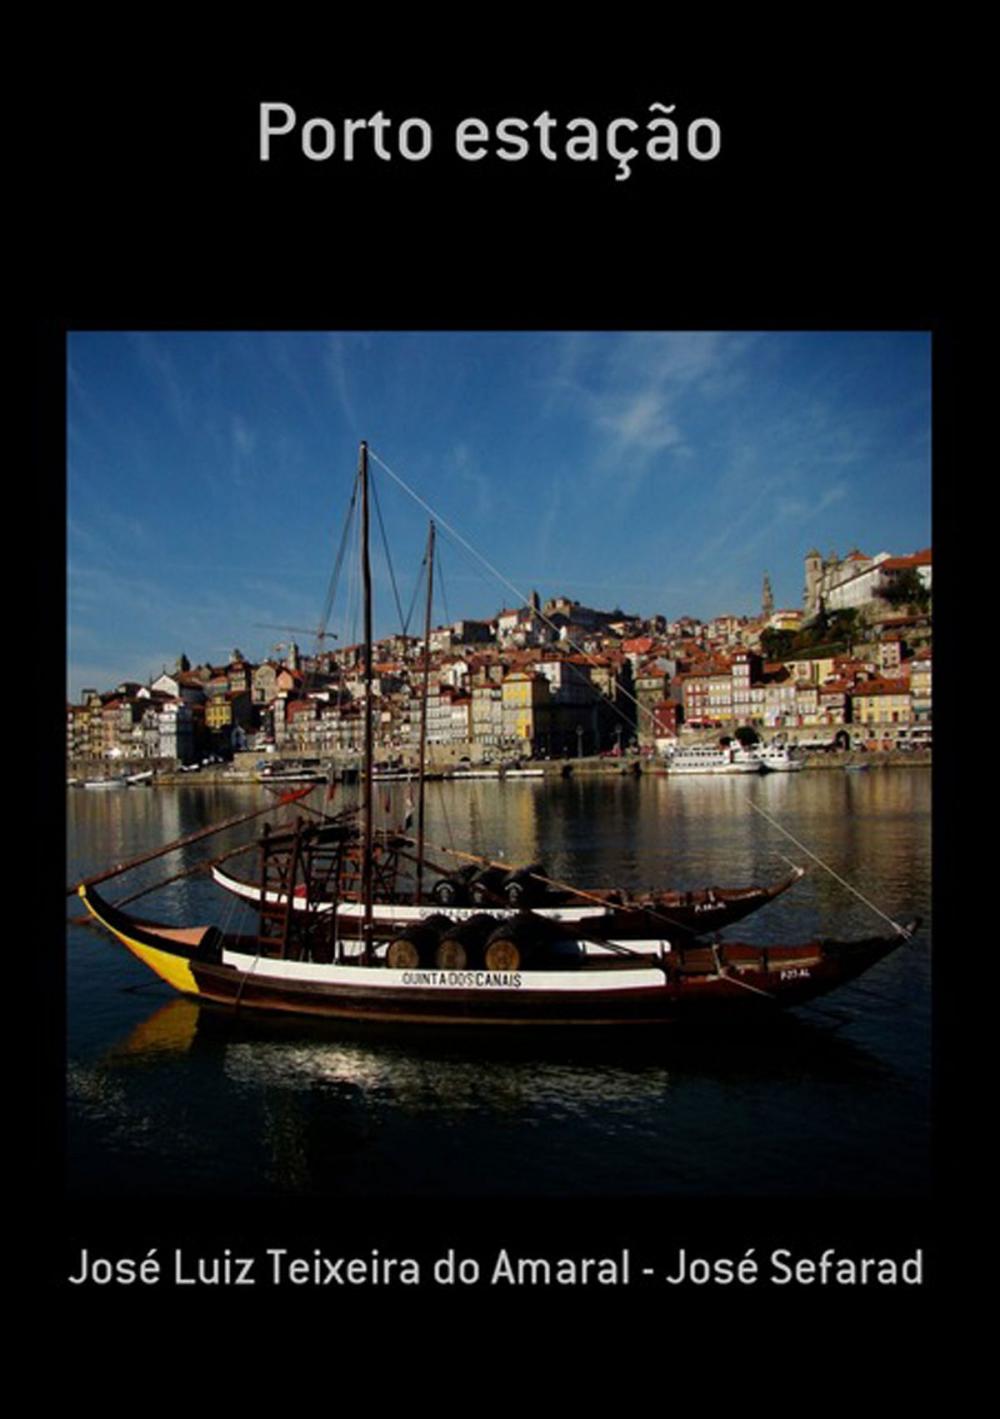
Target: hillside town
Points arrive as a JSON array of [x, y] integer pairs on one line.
[[850, 667]]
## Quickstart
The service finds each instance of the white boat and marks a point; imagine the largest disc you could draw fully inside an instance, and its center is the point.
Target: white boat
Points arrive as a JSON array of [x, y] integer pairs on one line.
[[779, 759], [769, 758], [711, 759], [497, 773], [292, 771]]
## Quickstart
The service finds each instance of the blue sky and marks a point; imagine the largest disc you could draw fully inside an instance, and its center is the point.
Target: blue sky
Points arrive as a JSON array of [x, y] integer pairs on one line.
[[209, 474]]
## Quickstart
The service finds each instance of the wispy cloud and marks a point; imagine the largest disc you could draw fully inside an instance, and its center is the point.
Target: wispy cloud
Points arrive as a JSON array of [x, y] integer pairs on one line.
[[243, 446], [744, 534], [336, 364], [466, 469], [244, 438], [638, 390], [280, 353], [642, 422], [156, 360]]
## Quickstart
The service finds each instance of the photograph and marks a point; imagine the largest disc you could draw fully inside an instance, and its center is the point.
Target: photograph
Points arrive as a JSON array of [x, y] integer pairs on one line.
[[494, 787]]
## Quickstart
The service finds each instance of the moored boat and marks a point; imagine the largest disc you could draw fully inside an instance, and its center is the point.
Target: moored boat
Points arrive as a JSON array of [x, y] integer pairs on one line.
[[773, 758], [710, 759], [293, 771], [780, 759], [539, 978], [463, 893]]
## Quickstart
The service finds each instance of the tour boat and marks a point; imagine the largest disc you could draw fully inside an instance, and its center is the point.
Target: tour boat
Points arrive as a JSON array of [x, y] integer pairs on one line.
[[710, 759]]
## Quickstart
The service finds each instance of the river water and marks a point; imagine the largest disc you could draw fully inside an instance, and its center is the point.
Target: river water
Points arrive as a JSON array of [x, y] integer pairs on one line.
[[166, 1097]]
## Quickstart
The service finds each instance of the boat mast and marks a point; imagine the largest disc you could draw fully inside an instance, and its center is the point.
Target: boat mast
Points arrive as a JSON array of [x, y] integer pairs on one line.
[[423, 715], [367, 794]]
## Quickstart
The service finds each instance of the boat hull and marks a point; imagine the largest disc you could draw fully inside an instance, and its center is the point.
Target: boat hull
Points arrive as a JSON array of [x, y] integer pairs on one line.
[[694, 985], [682, 770], [691, 913]]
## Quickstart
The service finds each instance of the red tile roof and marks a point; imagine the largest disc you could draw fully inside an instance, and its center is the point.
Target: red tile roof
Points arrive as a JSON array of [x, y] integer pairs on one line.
[[916, 559], [883, 687]]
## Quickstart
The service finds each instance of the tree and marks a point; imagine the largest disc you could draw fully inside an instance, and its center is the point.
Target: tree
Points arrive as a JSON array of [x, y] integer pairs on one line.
[[906, 589], [844, 624], [747, 736], [777, 645]]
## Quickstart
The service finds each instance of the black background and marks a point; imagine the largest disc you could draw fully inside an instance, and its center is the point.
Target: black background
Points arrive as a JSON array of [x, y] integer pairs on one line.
[[840, 200]]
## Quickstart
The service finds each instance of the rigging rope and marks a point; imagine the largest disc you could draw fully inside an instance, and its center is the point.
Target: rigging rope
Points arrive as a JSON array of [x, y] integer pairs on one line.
[[444, 594], [655, 914], [900, 930], [187, 872], [525, 600], [416, 588], [335, 574], [385, 547], [444, 811], [352, 602]]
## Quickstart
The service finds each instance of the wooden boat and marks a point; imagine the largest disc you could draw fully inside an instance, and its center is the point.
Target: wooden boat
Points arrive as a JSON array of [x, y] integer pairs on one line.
[[508, 891], [621, 966], [539, 976]]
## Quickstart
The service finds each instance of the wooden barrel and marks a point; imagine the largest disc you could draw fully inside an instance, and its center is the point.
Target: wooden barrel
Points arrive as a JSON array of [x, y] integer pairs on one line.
[[514, 943], [462, 945], [453, 890], [487, 886], [523, 887], [412, 947]]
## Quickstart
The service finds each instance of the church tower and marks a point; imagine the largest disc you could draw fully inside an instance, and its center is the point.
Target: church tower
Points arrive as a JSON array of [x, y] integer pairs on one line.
[[814, 578], [767, 599]]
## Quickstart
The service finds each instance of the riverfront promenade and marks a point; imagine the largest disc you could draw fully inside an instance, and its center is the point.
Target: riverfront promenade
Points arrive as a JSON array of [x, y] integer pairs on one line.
[[243, 769]]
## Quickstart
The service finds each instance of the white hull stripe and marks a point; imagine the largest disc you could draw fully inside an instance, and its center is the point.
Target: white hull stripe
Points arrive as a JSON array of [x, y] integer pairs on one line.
[[387, 911], [384, 979], [584, 948]]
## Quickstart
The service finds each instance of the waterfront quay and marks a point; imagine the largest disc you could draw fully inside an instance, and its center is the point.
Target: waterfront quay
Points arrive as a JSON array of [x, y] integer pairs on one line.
[[245, 767]]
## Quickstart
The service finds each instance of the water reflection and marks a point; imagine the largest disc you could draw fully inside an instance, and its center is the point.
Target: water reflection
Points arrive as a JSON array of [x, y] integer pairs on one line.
[[426, 1072], [179, 1097], [195, 1099]]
